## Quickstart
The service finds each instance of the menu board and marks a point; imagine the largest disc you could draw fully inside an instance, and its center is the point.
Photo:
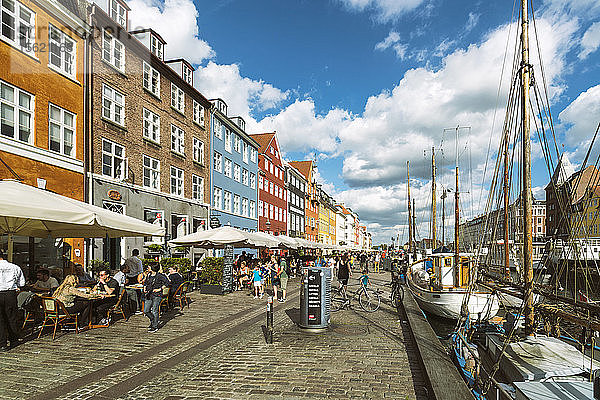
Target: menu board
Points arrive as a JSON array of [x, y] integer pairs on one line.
[[228, 268], [314, 297]]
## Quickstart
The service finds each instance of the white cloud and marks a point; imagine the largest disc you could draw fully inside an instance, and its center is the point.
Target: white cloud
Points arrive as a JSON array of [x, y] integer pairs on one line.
[[577, 117], [175, 21], [243, 96], [393, 40], [472, 21], [590, 41], [385, 10]]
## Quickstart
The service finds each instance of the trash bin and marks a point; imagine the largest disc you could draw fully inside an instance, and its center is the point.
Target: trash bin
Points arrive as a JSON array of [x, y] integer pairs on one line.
[[315, 298]]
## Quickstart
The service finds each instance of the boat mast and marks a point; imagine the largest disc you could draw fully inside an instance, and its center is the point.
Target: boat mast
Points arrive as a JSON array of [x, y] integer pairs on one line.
[[506, 199], [410, 233], [414, 229], [526, 184], [456, 221], [433, 202]]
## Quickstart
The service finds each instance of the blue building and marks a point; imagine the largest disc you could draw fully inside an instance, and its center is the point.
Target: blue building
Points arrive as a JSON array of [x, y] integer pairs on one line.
[[234, 171]]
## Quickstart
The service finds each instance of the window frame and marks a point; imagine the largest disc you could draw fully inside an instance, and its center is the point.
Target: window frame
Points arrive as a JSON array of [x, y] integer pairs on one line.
[[218, 162], [114, 46], [118, 18], [151, 119], [177, 140], [64, 39], [217, 193], [113, 156], [177, 98], [112, 109], [198, 188], [153, 172], [17, 41], [198, 150], [148, 78], [62, 126], [179, 178], [198, 113], [17, 111]]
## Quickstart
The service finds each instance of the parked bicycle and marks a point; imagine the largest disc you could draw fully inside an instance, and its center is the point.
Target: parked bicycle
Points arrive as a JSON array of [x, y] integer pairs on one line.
[[369, 299], [397, 293]]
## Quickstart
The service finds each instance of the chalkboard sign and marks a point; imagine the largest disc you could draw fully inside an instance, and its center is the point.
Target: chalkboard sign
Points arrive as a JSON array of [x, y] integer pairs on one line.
[[314, 297], [228, 268], [214, 222]]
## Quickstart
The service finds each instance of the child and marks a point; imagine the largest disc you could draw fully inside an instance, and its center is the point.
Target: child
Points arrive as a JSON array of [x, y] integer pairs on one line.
[[256, 278]]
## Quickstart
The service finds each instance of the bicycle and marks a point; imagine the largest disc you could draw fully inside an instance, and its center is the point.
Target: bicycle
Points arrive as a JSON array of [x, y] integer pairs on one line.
[[397, 293], [368, 298]]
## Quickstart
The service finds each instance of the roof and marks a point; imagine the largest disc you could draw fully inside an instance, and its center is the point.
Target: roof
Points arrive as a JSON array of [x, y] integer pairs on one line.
[[264, 139], [152, 31], [304, 167], [74, 6]]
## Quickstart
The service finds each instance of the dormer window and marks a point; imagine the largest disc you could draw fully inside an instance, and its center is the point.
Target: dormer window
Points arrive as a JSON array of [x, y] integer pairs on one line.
[[220, 105], [187, 74], [118, 12], [156, 46], [239, 121]]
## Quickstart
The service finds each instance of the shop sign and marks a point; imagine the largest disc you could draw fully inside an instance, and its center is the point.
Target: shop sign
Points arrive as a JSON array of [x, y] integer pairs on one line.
[[228, 268], [214, 222], [114, 195]]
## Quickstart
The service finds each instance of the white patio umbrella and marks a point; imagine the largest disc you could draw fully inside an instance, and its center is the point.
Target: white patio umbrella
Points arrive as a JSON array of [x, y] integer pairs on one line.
[[270, 241], [219, 237], [29, 211], [289, 242]]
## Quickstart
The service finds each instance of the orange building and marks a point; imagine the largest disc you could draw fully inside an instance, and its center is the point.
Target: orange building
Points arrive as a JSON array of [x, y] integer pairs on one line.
[[42, 79], [311, 204]]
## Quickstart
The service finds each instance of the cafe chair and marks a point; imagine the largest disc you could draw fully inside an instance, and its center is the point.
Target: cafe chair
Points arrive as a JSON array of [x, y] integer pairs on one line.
[[180, 295], [55, 314], [164, 301], [118, 308]]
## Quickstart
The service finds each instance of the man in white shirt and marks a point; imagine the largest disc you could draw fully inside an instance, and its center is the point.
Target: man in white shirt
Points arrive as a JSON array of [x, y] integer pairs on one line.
[[11, 279], [121, 276], [45, 282], [135, 266]]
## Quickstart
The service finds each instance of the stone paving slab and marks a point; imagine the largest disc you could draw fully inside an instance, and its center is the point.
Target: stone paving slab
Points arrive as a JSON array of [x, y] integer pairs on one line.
[[216, 349]]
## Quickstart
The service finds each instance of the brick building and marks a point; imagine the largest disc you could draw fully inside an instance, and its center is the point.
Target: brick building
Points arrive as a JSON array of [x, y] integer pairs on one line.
[[42, 124], [311, 203], [296, 187], [150, 133], [272, 197]]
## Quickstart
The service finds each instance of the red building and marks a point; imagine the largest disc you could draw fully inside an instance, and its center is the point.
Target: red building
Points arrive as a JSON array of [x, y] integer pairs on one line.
[[272, 196]]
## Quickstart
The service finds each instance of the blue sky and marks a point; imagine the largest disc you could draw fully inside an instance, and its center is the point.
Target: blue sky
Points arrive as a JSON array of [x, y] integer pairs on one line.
[[362, 86]]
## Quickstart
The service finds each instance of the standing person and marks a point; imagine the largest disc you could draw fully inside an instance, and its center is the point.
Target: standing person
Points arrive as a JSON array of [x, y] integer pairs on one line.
[[135, 266], [256, 279], [274, 268], [344, 272], [11, 279], [154, 282], [283, 278], [377, 261]]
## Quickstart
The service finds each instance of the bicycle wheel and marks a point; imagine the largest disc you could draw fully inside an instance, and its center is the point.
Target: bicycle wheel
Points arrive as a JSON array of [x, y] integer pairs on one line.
[[369, 300], [397, 295], [337, 299]]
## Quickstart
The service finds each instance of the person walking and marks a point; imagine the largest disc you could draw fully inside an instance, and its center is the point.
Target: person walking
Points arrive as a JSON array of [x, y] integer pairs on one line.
[[154, 283], [283, 278], [11, 279], [257, 281], [274, 270]]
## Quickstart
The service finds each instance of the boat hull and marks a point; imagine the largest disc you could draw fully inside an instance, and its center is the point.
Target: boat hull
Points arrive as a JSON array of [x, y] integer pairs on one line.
[[447, 304]]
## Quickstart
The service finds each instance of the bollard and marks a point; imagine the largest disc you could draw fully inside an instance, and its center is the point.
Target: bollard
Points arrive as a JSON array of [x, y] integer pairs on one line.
[[270, 320]]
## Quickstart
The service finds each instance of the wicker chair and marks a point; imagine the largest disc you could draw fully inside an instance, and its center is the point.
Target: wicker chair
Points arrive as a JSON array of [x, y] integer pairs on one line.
[[180, 295], [55, 314]]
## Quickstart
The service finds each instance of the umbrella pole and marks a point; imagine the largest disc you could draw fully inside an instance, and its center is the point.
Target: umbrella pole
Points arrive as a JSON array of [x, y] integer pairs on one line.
[[10, 247]]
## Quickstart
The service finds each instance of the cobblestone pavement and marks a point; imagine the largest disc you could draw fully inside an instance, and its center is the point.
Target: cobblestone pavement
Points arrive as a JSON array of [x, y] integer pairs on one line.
[[216, 350]]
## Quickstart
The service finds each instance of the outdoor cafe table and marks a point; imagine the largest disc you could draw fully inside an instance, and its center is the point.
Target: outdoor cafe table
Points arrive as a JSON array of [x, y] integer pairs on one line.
[[92, 302]]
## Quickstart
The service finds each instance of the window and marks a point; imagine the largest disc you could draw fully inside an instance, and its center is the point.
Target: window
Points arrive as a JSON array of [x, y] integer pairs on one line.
[[113, 51], [227, 201], [16, 113], [114, 163], [18, 25], [177, 98], [245, 153], [271, 188], [61, 49], [198, 113], [154, 217], [252, 209], [156, 46], [178, 225], [61, 131], [227, 140], [218, 198], [266, 165], [237, 143], [253, 155], [271, 168], [245, 176], [151, 126], [228, 167], [217, 128], [151, 172], [260, 182], [245, 207], [252, 180], [260, 208], [187, 74], [197, 188], [176, 181], [113, 105], [151, 79], [270, 211], [236, 204], [118, 13], [177, 140], [198, 151], [218, 162], [237, 173]]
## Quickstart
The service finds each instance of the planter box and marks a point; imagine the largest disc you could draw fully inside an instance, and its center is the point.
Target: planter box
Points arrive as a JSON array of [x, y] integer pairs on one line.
[[211, 289]]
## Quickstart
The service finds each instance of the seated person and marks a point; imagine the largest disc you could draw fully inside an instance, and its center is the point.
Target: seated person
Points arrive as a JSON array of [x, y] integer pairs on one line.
[[244, 275], [109, 287], [121, 276], [45, 282], [82, 277], [71, 297], [175, 280]]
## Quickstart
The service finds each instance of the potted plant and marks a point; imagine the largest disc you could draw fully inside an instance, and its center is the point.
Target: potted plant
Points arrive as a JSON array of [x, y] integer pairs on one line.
[[211, 275]]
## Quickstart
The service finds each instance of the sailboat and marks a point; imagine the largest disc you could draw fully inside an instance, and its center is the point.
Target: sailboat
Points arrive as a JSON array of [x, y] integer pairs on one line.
[[523, 358], [441, 281]]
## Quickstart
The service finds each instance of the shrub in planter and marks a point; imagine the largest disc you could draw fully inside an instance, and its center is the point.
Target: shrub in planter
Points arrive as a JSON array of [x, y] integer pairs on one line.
[[148, 261], [212, 271], [184, 264]]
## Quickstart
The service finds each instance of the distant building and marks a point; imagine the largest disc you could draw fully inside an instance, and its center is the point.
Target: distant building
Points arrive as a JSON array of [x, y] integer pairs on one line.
[[311, 203], [296, 187], [272, 195]]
